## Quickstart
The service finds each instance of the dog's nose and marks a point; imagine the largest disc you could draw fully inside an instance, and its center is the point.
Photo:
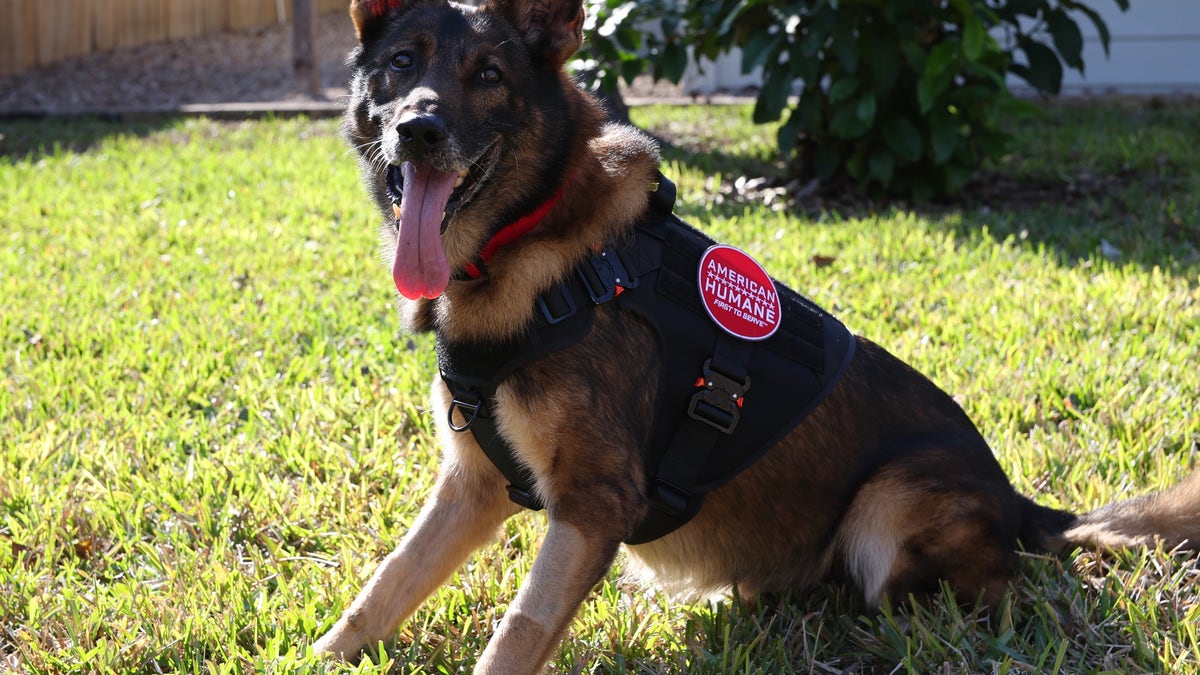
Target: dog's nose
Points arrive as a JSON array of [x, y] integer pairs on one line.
[[422, 134]]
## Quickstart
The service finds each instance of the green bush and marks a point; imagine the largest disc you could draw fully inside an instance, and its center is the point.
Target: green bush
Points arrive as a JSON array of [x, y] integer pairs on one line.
[[626, 38], [905, 97]]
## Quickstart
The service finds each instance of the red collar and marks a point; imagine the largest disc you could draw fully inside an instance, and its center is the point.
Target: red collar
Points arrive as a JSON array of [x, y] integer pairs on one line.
[[510, 233]]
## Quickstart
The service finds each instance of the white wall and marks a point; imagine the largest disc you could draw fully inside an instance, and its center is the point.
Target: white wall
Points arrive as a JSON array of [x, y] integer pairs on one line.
[[725, 75], [1155, 48]]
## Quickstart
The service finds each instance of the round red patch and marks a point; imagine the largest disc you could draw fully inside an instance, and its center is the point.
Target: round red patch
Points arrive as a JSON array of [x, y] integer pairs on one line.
[[737, 293]]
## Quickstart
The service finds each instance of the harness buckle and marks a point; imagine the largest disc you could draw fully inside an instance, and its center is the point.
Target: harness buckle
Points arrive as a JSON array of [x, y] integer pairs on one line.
[[602, 273], [669, 498], [469, 410], [556, 304], [718, 402], [524, 498]]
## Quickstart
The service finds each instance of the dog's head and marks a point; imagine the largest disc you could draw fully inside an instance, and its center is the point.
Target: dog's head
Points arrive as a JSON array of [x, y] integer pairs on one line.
[[460, 115]]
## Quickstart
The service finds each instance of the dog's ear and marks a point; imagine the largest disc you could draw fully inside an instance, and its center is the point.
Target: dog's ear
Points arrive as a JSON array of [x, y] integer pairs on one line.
[[368, 15], [552, 28]]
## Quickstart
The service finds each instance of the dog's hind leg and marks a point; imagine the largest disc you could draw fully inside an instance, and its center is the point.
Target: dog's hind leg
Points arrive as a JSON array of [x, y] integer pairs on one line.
[[467, 507], [931, 516]]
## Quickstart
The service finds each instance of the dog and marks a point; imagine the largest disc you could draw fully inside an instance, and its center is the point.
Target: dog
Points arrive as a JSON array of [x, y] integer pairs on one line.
[[501, 184]]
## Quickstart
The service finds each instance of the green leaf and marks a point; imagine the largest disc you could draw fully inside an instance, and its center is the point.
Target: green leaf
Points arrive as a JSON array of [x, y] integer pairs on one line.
[[1067, 38], [809, 108], [976, 93], [803, 67], [844, 44], [756, 48], [884, 60], [670, 24], [940, 58], [882, 164], [937, 76], [866, 108], [996, 77], [903, 138], [974, 37], [789, 132], [842, 88], [774, 94], [914, 54], [846, 124], [963, 7], [943, 137], [674, 62], [1044, 72], [928, 90], [727, 25], [1101, 26], [815, 34], [631, 68]]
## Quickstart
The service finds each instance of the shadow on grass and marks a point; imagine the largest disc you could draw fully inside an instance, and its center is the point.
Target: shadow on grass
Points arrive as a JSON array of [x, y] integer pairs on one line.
[[1139, 217], [33, 138], [1115, 178], [1051, 622]]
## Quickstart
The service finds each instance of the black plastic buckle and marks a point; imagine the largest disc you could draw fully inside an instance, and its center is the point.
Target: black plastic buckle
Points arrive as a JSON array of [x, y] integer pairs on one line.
[[602, 273], [716, 403], [524, 498], [469, 410], [563, 304], [670, 499]]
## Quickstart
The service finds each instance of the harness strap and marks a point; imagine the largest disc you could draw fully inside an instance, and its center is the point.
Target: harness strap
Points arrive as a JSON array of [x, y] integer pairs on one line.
[[712, 414], [472, 373], [483, 426]]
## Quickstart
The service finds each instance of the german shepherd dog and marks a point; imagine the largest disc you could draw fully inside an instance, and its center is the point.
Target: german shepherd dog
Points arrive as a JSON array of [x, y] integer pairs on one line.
[[465, 122]]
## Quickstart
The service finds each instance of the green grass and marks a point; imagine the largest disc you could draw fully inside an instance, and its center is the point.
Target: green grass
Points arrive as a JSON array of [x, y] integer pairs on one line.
[[210, 430]]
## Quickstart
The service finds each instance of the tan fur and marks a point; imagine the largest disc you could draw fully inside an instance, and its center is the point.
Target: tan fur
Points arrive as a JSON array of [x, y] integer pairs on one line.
[[868, 538], [1170, 518], [887, 483], [558, 582], [468, 500]]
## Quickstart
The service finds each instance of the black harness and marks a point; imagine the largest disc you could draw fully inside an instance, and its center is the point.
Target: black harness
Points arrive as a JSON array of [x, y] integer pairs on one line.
[[706, 429]]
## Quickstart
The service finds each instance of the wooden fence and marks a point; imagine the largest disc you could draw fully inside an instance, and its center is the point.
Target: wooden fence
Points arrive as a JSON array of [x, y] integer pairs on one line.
[[41, 32]]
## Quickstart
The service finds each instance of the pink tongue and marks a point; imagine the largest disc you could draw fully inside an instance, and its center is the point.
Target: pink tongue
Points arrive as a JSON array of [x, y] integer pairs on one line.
[[420, 269]]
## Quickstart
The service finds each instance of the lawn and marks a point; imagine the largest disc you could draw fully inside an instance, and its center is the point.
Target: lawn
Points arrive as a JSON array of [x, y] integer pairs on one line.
[[211, 430]]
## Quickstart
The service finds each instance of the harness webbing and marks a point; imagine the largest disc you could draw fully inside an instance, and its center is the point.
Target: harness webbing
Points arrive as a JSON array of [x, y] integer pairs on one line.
[[702, 434]]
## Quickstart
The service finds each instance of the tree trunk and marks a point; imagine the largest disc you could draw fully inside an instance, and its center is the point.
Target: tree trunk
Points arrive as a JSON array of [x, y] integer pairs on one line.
[[304, 47]]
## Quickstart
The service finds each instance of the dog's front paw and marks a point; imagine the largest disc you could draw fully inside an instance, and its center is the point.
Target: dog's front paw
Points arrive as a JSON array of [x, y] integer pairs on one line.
[[341, 642]]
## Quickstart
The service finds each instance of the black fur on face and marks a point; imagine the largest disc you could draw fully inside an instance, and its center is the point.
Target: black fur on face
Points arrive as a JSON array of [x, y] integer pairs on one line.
[[501, 101]]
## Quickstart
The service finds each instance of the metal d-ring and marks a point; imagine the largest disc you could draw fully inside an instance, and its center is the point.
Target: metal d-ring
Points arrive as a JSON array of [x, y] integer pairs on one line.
[[463, 407]]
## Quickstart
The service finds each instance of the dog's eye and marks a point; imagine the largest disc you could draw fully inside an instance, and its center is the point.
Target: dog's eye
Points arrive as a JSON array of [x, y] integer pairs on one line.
[[491, 75], [401, 61]]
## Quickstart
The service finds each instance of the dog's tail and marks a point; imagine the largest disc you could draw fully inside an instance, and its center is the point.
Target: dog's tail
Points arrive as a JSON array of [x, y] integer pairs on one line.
[[1170, 517]]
